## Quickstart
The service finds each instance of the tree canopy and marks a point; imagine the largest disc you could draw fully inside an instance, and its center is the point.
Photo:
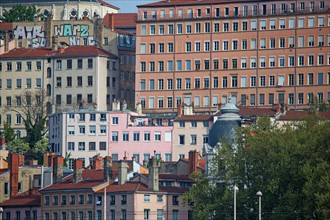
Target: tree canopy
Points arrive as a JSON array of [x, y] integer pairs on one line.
[[20, 13], [290, 165]]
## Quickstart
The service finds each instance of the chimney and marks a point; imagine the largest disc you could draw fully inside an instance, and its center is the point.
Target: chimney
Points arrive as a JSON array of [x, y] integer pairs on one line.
[[6, 41], [122, 172], [33, 162], [179, 110], [15, 160], [54, 43], [50, 156], [277, 107], [124, 106], [78, 169], [193, 161], [58, 162], [107, 168], [145, 163], [97, 162], [153, 183], [111, 21], [116, 105], [188, 110], [139, 108]]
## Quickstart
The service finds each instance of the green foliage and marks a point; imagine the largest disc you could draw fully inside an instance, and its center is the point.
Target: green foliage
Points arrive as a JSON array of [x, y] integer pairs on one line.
[[8, 132], [290, 165], [20, 13], [18, 146], [66, 159]]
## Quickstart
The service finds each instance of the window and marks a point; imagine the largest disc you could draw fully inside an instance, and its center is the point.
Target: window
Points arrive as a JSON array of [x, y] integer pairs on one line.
[[114, 136], [181, 139], [272, 24], [143, 66], [91, 146], [235, 26], [103, 129], [179, 83], [103, 146], [159, 214], [310, 41], [136, 136], [282, 23], [81, 146], [179, 28], [282, 42], [207, 27], [271, 80], [146, 214], [291, 23], [146, 198], [311, 22]]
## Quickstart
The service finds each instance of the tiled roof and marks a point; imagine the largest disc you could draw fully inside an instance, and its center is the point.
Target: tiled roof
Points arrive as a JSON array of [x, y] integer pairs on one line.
[[194, 118], [71, 51], [91, 178], [125, 19], [2, 171], [138, 186], [247, 111], [185, 2], [301, 115], [31, 198], [173, 177], [6, 26]]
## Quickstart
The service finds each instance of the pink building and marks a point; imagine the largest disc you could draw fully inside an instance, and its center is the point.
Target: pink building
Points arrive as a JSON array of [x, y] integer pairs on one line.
[[133, 135]]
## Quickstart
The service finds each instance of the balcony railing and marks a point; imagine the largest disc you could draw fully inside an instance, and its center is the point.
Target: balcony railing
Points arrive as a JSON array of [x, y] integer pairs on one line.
[[232, 13]]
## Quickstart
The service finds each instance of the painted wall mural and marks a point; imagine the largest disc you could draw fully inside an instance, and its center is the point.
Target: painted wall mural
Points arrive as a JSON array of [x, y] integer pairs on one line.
[[77, 34], [34, 34]]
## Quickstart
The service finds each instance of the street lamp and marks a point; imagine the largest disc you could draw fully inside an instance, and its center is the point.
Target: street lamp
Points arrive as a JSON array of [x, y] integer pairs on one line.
[[235, 188], [259, 194]]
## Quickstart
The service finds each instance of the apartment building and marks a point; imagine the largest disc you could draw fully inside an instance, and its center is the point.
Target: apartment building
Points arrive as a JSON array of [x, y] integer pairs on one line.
[[65, 10], [73, 77], [190, 133], [140, 137], [259, 53]]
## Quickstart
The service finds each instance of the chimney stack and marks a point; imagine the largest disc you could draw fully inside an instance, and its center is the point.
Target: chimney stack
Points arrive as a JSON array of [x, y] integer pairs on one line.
[[107, 168], [97, 162], [193, 161], [58, 162], [78, 169], [116, 105], [139, 108], [122, 172], [48, 159], [15, 160], [153, 183], [179, 110], [6, 41], [54, 43]]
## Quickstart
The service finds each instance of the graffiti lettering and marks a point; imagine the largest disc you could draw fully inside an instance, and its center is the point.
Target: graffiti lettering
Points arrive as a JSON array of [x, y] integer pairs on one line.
[[74, 33], [66, 30], [32, 33]]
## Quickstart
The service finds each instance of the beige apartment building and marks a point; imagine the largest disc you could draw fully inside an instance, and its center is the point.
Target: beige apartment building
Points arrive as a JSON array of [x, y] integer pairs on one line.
[[259, 53]]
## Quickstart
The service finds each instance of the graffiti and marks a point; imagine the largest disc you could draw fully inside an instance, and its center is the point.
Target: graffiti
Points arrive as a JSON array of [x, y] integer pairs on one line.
[[74, 33], [34, 34]]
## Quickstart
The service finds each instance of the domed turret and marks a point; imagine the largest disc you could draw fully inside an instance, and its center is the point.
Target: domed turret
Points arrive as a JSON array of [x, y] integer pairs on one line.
[[225, 125]]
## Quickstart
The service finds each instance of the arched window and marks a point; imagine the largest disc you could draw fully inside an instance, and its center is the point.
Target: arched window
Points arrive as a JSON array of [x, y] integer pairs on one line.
[[49, 90], [49, 72]]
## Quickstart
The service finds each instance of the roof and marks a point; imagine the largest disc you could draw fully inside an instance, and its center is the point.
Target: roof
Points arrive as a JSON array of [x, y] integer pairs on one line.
[[248, 111], [301, 115], [2, 171], [194, 118], [31, 198], [125, 19], [201, 162], [91, 178], [71, 51], [173, 177], [4, 26], [165, 3], [139, 186]]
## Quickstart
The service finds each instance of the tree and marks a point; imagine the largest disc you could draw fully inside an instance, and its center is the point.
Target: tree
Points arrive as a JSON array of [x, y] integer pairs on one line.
[[8, 132], [20, 13], [33, 110], [39, 149], [290, 165], [18, 146]]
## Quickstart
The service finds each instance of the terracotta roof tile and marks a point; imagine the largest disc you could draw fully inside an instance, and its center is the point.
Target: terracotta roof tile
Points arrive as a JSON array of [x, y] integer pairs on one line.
[[91, 178], [71, 51], [194, 118], [247, 111], [125, 20], [4, 26], [29, 198], [301, 115]]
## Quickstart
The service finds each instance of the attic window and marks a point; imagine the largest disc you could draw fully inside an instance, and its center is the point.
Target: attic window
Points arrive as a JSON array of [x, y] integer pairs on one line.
[[46, 13], [85, 13], [73, 13]]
